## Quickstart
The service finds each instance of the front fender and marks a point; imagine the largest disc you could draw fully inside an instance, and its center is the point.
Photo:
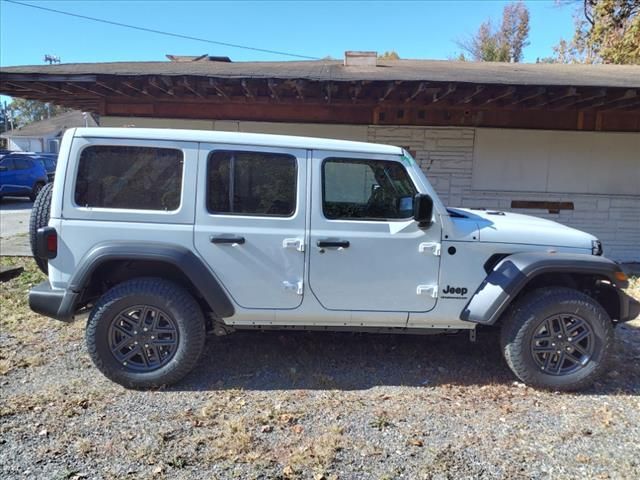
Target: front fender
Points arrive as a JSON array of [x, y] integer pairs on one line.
[[514, 272]]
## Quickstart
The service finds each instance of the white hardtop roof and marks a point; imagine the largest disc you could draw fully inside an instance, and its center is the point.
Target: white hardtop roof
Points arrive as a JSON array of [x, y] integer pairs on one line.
[[254, 139]]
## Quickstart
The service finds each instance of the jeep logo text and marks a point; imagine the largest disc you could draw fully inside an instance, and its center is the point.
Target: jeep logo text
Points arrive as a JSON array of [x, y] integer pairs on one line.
[[455, 290]]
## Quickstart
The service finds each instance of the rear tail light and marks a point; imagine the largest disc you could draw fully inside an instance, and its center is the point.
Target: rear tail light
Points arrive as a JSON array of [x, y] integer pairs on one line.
[[47, 242]]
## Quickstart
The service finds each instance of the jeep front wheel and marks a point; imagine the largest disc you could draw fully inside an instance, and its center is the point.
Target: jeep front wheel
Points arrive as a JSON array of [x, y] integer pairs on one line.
[[145, 333], [557, 338]]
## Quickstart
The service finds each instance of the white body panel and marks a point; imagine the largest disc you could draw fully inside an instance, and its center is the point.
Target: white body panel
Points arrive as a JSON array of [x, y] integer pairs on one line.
[[393, 274]]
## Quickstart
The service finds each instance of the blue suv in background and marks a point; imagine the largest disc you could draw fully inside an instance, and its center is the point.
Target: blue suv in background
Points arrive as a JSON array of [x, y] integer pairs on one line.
[[22, 175]]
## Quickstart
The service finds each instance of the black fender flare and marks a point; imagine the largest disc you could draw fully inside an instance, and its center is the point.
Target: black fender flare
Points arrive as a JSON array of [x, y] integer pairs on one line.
[[515, 271], [192, 266]]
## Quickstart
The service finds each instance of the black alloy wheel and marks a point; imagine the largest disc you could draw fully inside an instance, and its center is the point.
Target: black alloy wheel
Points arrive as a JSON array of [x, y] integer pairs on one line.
[[562, 344], [143, 338]]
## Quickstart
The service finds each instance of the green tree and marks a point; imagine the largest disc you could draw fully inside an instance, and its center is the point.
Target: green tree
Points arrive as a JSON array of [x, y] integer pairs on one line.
[[503, 44], [389, 55], [606, 31], [24, 112]]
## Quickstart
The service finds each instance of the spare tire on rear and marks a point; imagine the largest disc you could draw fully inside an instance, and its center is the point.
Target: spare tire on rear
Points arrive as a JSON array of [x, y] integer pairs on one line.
[[40, 218]]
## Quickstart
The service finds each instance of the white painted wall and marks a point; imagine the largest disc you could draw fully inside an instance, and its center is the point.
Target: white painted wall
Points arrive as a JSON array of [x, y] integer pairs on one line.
[[546, 161], [469, 167], [341, 132], [24, 144]]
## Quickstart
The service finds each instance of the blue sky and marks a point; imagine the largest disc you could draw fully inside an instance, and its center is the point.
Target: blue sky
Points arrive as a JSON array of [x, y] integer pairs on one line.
[[415, 29]]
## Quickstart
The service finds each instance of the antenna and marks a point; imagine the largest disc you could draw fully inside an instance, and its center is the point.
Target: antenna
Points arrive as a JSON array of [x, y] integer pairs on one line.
[[51, 59]]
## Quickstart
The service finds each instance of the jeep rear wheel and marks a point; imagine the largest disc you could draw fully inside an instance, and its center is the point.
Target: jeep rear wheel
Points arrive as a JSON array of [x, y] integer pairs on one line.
[[146, 332], [557, 338]]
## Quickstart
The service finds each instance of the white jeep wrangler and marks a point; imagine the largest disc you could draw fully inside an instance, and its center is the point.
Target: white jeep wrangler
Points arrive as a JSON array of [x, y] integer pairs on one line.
[[165, 235]]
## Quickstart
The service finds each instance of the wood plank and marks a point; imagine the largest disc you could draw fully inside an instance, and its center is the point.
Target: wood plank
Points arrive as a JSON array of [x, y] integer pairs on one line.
[[437, 97], [422, 86], [218, 88]]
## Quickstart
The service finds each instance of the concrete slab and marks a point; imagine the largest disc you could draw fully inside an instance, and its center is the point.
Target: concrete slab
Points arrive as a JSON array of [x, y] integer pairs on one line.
[[14, 226]]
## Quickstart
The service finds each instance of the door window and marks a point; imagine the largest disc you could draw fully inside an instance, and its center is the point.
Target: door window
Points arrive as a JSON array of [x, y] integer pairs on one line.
[[22, 164], [251, 183], [354, 189], [7, 163]]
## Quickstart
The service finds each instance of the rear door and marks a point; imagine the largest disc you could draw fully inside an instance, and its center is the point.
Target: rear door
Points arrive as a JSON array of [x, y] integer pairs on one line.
[[250, 222], [25, 173]]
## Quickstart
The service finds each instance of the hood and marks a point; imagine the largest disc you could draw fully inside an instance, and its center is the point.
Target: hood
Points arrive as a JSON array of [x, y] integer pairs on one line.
[[504, 227]]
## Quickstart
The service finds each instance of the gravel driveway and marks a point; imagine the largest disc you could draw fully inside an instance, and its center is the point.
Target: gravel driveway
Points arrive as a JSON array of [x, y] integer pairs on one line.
[[303, 405]]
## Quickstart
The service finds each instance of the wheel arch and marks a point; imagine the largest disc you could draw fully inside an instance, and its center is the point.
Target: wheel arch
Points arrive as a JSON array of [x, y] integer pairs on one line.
[[520, 273], [111, 263]]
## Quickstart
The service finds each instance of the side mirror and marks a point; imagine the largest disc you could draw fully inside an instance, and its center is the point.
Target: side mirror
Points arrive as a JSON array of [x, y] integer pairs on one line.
[[422, 209]]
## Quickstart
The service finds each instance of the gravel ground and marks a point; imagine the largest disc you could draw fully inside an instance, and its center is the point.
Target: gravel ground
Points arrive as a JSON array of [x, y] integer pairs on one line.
[[303, 405]]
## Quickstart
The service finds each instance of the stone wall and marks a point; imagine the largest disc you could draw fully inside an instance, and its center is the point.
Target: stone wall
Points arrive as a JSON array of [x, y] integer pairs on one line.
[[446, 157]]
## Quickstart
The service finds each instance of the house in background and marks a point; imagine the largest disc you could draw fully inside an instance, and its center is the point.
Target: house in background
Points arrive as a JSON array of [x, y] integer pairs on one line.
[[44, 136], [556, 141]]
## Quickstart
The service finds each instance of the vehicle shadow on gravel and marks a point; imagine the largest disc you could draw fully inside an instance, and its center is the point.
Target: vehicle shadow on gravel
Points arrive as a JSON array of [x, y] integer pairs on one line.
[[350, 361]]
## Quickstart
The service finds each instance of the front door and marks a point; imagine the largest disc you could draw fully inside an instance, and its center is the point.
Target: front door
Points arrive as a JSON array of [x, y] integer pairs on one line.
[[250, 222], [366, 251]]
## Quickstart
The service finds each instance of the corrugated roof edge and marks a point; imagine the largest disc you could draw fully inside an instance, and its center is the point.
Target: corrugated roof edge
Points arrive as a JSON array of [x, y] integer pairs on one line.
[[238, 138]]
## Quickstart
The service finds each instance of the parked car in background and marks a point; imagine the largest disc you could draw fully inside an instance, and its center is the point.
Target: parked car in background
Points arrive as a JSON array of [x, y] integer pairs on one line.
[[49, 161], [22, 175]]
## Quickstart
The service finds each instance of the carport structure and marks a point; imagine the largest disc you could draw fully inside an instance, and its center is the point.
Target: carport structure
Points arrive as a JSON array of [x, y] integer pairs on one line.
[[359, 90], [553, 140]]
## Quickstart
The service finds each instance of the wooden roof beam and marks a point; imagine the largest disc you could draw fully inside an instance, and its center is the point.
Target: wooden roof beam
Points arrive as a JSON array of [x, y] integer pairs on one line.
[[219, 89], [507, 92], [330, 89], [583, 102], [438, 97], [29, 88], [192, 88], [618, 101], [356, 90], [273, 89], [552, 98], [86, 89], [535, 93], [154, 83], [55, 88], [299, 86], [111, 89], [247, 90], [143, 91], [391, 86], [422, 86], [476, 91]]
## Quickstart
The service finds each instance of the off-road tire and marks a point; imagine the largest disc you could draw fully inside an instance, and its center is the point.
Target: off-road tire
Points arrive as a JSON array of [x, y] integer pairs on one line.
[[522, 321], [40, 213], [157, 293]]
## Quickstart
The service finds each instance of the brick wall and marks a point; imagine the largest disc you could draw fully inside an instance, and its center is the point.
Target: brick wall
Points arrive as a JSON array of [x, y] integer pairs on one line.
[[446, 157]]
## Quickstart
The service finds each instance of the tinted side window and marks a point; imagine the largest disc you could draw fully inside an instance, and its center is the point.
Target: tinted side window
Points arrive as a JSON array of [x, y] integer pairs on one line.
[[251, 183], [366, 189], [22, 163], [7, 162], [141, 178]]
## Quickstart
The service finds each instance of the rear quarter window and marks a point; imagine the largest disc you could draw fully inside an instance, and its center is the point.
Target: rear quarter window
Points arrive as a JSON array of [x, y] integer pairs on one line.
[[135, 178]]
